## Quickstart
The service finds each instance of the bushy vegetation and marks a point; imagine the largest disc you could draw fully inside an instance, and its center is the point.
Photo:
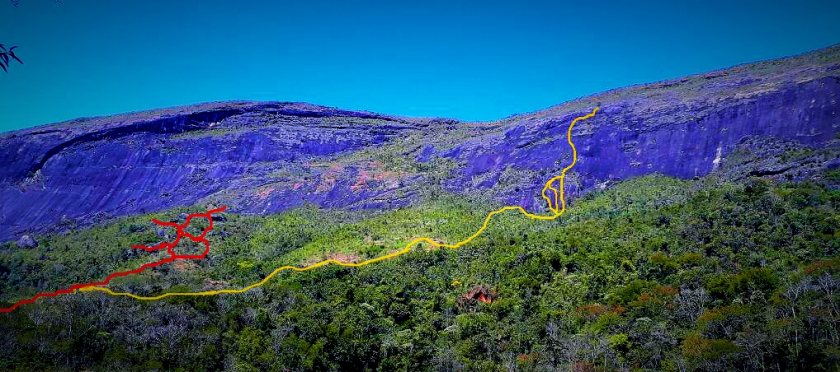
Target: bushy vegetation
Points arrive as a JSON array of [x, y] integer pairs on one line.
[[653, 274]]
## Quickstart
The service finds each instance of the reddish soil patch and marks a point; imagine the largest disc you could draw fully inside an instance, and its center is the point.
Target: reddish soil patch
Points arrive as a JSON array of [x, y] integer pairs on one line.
[[181, 265], [210, 284], [265, 193], [340, 257], [327, 183], [482, 293], [369, 176]]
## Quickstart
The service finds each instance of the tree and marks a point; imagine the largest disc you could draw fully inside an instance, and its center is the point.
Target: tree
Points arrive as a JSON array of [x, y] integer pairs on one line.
[[5, 55]]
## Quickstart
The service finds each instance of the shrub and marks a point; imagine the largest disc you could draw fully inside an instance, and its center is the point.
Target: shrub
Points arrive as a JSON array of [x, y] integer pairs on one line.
[[707, 349]]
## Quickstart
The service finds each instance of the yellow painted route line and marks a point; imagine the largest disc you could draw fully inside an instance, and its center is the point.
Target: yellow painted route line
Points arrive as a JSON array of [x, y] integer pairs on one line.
[[552, 205]]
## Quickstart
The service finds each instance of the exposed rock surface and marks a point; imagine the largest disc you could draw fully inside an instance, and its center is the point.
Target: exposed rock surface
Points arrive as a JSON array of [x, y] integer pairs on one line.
[[258, 157], [27, 241]]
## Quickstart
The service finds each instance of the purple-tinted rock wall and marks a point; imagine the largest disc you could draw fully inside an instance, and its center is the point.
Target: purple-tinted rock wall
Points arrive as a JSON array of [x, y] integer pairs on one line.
[[683, 140], [152, 165], [269, 157]]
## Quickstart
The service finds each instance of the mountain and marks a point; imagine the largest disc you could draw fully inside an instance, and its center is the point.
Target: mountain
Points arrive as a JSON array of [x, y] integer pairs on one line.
[[703, 234], [267, 157]]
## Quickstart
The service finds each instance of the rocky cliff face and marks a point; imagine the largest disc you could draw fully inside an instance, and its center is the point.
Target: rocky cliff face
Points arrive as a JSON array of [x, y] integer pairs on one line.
[[268, 157]]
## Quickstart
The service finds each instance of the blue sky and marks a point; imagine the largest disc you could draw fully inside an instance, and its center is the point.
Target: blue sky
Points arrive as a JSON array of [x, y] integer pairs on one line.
[[477, 60]]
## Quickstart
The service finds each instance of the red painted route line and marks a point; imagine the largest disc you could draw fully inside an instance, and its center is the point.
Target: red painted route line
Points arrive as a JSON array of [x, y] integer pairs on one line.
[[168, 246]]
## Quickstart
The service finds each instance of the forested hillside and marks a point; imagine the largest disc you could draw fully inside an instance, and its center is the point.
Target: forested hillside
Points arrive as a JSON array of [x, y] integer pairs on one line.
[[653, 274]]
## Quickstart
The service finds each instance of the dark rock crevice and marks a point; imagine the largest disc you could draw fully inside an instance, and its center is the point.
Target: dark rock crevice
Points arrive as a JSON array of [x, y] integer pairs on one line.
[[47, 131], [171, 125], [299, 113], [770, 172]]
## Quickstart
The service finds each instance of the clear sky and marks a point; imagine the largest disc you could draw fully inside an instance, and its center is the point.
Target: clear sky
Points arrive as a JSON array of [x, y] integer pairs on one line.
[[476, 60]]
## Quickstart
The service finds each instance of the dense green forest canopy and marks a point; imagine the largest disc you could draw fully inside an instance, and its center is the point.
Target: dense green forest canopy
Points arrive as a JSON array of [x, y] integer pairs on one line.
[[652, 274]]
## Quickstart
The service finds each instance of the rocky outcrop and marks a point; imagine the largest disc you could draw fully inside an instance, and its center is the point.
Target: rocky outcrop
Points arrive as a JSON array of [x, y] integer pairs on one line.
[[258, 157], [86, 173], [27, 241], [628, 138]]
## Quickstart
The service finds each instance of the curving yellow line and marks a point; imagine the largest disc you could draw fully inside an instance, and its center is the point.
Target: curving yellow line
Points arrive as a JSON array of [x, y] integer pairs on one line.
[[557, 212]]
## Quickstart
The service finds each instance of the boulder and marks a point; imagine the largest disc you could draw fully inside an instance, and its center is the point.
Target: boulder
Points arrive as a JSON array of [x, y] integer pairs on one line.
[[27, 241]]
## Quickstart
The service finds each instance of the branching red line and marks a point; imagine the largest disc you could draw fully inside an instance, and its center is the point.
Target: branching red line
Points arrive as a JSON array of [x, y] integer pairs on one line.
[[169, 246]]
